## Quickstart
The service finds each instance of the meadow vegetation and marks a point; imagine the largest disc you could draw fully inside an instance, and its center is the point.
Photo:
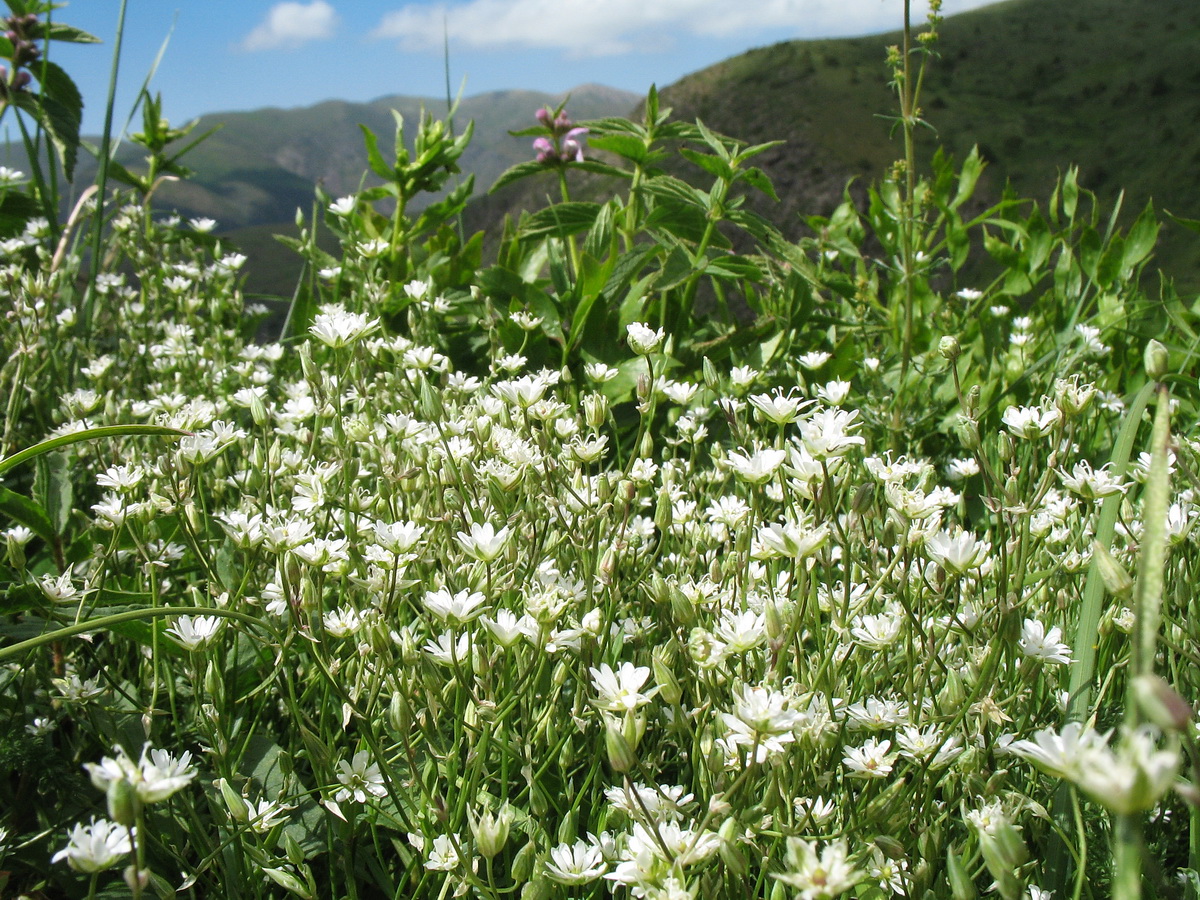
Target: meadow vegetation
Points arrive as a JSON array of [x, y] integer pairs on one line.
[[658, 556]]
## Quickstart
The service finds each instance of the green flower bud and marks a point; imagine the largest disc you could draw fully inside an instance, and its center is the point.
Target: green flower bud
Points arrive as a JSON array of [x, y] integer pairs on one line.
[[949, 348], [238, 810], [1156, 359], [620, 754], [123, 802], [522, 865], [1161, 703]]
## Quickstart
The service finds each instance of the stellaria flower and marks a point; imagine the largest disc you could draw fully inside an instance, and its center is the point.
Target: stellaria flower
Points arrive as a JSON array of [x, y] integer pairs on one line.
[[95, 847]]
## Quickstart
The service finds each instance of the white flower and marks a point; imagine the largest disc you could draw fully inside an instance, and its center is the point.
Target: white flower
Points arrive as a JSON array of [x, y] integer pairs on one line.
[[202, 224], [621, 690], [1030, 422], [1036, 643], [827, 432], [1091, 484], [814, 359], [778, 407], [819, 875], [871, 760], [443, 854], [154, 778], [576, 863], [94, 847], [359, 777], [643, 339], [335, 327], [192, 633], [757, 467], [458, 608], [483, 542], [957, 551], [343, 206]]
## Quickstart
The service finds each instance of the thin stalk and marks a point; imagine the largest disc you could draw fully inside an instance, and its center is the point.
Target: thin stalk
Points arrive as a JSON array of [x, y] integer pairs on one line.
[[89, 296]]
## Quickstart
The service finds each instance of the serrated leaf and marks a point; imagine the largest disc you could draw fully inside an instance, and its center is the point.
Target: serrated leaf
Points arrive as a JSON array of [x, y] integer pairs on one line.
[[757, 178], [629, 146], [561, 220], [516, 173], [16, 208], [713, 165], [58, 108], [56, 31], [374, 158]]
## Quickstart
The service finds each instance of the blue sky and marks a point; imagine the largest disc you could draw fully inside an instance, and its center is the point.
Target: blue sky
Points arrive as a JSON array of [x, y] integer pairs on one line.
[[245, 54]]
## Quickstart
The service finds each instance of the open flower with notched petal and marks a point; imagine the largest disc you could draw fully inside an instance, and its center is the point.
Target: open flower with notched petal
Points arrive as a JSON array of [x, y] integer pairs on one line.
[[195, 632], [155, 776], [818, 875], [458, 608], [1038, 643], [1091, 484], [957, 551], [1030, 422], [95, 847], [576, 863], [483, 542], [335, 326], [757, 467], [621, 690], [359, 777]]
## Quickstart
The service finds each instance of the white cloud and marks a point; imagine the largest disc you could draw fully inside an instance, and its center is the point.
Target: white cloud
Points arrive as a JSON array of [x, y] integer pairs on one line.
[[592, 28], [290, 24]]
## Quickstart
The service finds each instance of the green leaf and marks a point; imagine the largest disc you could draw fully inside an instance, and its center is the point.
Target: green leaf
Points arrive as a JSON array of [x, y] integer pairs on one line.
[[16, 208], [713, 165], [59, 109], [757, 178], [1141, 240], [734, 267], [599, 239], [53, 489], [56, 31], [517, 172], [668, 187], [88, 434], [26, 512], [374, 158], [560, 220], [629, 146], [967, 178]]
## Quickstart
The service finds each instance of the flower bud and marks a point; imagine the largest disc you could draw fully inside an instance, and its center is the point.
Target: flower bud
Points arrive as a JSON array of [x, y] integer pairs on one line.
[[668, 685], [287, 881], [1113, 574], [949, 347], [238, 810], [491, 831], [522, 865], [620, 754], [595, 410], [1161, 704], [122, 802], [1156, 359]]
